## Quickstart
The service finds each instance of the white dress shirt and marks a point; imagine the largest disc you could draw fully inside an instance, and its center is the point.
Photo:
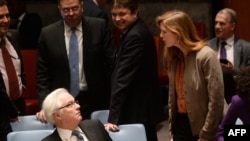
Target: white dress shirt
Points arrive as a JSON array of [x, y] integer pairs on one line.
[[16, 62], [66, 135], [229, 49]]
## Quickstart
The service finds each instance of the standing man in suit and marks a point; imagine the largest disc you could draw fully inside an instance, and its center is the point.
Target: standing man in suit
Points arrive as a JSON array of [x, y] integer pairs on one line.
[[237, 51], [63, 111], [135, 90], [28, 24], [91, 9], [95, 51], [11, 74]]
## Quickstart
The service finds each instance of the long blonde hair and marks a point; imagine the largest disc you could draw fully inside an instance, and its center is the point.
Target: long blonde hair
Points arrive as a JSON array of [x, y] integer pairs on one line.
[[180, 24]]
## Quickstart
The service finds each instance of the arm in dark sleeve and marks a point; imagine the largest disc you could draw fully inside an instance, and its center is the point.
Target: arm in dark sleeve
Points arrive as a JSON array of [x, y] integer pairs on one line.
[[7, 107], [43, 82], [127, 65]]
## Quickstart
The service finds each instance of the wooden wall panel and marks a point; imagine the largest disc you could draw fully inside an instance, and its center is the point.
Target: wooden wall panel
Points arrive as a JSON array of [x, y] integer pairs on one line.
[[242, 9]]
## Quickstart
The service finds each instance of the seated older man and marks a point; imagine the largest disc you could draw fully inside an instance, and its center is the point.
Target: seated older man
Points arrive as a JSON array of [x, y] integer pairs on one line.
[[61, 109]]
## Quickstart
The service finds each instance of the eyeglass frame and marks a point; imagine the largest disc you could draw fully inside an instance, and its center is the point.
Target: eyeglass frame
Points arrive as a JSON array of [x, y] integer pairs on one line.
[[69, 105]]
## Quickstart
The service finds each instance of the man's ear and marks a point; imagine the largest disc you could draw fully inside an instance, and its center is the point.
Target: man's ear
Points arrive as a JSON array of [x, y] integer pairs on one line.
[[82, 5], [57, 115], [136, 13]]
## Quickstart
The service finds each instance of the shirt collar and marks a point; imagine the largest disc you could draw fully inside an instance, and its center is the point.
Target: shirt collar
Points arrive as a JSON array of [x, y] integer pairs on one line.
[[230, 41], [21, 16], [65, 134], [68, 29], [95, 2]]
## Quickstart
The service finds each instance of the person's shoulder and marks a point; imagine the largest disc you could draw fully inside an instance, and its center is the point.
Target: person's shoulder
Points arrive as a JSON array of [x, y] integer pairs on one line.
[[49, 138], [90, 122], [139, 23], [205, 53], [206, 50], [243, 43], [93, 19], [12, 32], [212, 40], [139, 28], [236, 99], [240, 40], [53, 25]]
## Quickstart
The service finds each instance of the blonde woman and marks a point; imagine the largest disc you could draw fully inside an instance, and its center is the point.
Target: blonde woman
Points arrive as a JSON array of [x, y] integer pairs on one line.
[[196, 85]]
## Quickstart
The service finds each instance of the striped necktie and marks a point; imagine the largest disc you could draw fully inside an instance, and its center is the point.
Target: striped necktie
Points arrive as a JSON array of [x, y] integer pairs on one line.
[[78, 135]]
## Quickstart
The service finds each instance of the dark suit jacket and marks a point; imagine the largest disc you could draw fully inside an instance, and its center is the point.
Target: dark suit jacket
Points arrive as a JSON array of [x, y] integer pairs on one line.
[[92, 10], [135, 95], [98, 51], [7, 108], [241, 52], [93, 129]]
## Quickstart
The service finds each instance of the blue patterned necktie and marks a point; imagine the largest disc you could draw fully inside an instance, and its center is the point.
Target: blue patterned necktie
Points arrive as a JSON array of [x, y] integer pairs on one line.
[[78, 135], [74, 63], [223, 53]]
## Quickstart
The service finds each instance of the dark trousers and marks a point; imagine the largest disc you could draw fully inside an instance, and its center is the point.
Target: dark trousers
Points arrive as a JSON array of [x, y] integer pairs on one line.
[[182, 130], [151, 132], [5, 127], [20, 105], [3, 136]]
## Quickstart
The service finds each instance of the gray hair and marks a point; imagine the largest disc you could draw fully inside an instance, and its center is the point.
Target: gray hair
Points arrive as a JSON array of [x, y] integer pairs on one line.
[[51, 104], [231, 12]]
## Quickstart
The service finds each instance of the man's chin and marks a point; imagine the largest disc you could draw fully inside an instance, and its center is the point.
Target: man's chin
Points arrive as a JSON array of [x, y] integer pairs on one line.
[[80, 118], [3, 32], [218, 35]]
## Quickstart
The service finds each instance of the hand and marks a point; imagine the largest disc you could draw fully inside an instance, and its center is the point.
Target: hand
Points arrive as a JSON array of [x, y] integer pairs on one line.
[[111, 127], [229, 66], [40, 116]]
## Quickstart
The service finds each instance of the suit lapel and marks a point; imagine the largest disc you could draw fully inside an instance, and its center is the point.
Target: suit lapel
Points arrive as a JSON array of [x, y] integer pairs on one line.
[[15, 42], [61, 42], [237, 53], [88, 130], [53, 137], [86, 35]]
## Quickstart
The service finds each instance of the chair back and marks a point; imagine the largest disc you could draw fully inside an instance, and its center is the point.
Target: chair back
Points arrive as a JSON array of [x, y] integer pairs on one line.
[[30, 94], [30, 122], [32, 135], [129, 132], [101, 115]]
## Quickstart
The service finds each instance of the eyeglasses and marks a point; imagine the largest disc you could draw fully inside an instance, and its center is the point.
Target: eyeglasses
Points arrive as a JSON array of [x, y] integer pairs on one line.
[[70, 105], [73, 9]]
